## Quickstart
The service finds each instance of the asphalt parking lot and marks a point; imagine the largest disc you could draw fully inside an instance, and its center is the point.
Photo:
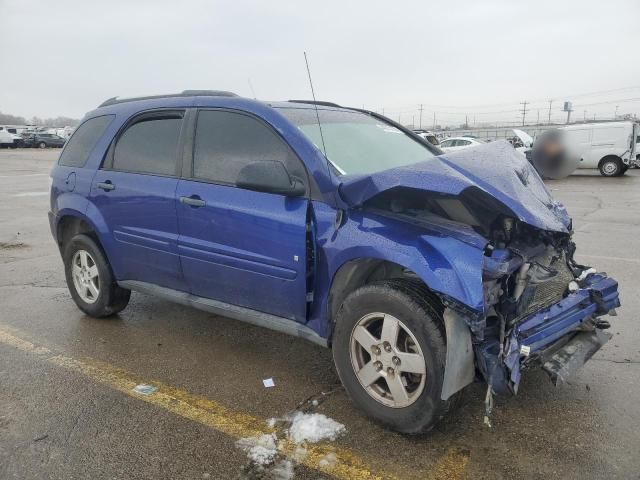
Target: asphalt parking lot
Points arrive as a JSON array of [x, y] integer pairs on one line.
[[67, 409]]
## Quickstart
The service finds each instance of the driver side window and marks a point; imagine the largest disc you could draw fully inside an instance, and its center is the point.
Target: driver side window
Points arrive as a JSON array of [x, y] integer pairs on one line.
[[225, 142]]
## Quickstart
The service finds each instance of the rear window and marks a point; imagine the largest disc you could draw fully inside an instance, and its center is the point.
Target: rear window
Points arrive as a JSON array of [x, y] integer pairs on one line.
[[76, 153], [150, 146]]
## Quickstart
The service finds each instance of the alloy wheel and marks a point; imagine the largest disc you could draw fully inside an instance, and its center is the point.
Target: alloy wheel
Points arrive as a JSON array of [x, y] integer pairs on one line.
[[86, 279], [387, 360]]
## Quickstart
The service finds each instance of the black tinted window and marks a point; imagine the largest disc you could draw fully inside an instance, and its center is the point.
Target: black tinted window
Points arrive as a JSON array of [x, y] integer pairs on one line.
[[149, 146], [225, 142], [76, 152]]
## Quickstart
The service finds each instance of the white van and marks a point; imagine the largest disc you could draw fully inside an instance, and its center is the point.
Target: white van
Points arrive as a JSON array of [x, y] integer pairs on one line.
[[610, 147]]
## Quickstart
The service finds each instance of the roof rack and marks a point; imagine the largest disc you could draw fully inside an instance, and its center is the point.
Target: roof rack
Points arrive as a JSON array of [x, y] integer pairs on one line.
[[184, 93], [317, 102]]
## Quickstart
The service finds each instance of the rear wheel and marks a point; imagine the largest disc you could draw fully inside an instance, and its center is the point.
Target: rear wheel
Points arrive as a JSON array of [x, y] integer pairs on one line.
[[90, 279], [389, 350], [610, 166], [42, 145]]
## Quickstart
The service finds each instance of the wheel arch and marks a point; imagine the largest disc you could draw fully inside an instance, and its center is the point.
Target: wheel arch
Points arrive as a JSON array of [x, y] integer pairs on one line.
[[357, 272], [72, 222]]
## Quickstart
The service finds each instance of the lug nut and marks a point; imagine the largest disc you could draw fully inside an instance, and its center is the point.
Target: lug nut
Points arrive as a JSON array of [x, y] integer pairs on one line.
[[396, 361], [376, 350], [387, 347], [378, 366], [390, 371]]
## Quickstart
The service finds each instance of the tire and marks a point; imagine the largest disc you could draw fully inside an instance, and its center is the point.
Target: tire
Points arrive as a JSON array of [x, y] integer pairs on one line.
[[610, 166], [624, 170], [42, 145], [409, 303], [110, 298]]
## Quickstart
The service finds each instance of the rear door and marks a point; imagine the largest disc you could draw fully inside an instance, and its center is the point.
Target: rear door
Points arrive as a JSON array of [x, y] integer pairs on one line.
[[239, 246], [135, 194]]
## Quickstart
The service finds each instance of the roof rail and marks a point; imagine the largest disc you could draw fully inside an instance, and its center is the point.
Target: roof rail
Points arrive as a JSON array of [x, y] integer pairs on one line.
[[184, 93], [317, 102]]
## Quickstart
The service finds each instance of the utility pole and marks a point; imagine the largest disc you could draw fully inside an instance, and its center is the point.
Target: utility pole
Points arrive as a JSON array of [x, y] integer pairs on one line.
[[382, 111], [584, 116], [434, 120], [413, 121], [420, 115], [524, 110], [538, 121], [615, 115], [550, 102]]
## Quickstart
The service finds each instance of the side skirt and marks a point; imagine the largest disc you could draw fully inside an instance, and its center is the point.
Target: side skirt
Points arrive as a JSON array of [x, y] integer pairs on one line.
[[261, 319]]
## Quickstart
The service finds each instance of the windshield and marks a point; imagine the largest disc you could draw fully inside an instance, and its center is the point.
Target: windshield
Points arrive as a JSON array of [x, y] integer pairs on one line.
[[356, 142]]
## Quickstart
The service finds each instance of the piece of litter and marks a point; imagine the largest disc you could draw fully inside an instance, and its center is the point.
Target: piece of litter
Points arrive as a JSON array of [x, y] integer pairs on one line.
[[144, 389], [261, 450], [313, 428], [268, 382]]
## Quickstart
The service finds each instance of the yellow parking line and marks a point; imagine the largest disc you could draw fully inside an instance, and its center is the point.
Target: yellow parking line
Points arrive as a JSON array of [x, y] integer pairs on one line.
[[207, 412]]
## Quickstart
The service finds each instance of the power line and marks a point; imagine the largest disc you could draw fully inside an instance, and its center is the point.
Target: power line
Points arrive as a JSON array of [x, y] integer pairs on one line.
[[524, 110]]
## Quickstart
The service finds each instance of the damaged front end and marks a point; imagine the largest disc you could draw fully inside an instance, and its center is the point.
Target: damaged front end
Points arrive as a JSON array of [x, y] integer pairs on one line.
[[541, 308]]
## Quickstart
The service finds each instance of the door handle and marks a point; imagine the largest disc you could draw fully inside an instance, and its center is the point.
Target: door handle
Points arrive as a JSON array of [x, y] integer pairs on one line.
[[193, 201], [106, 186]]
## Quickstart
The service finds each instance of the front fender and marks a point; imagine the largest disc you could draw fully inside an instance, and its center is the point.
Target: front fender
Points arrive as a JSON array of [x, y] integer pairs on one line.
[[448, 265]]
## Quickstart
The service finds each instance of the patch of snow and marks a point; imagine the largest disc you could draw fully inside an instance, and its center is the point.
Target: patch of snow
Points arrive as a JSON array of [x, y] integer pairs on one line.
[[328, 461], [272, 422], [261, 450], [299, 453], [283, 470], [313, 428]]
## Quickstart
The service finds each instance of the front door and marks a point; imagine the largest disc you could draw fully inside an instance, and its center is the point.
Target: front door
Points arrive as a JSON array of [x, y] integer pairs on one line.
[[135, 195], [239, 246]]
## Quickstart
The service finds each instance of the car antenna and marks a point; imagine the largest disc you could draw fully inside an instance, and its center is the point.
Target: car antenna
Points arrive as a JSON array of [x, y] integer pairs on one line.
[[251, 87], [315, 105]]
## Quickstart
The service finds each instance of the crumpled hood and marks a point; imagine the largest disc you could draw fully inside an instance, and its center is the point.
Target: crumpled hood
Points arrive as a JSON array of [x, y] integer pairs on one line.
[[495, 168]]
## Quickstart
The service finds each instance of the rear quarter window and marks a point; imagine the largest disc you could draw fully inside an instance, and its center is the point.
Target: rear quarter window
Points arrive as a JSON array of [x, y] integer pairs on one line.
[[83, 140]]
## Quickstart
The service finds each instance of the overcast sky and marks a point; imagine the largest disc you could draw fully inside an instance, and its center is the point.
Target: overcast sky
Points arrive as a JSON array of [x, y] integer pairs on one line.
[[479, 58]]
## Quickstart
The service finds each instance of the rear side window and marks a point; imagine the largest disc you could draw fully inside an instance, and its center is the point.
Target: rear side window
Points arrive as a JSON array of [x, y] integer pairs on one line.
[[226, 141], [149, 145], [76, 153]]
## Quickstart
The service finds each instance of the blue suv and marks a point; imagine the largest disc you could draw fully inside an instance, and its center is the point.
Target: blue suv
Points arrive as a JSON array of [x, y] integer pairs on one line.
[[422, 271]]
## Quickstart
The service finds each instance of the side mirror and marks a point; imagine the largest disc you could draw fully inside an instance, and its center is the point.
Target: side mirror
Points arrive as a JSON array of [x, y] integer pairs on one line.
[[270, 176]]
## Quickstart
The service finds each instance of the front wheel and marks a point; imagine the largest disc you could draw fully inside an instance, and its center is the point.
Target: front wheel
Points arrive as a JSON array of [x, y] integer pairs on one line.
[[389, 349], [90, 279], [42, 145]]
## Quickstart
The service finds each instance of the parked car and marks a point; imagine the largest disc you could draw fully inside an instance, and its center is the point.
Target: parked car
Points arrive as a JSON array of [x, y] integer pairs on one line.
[[42, 140], [459, 143], [419, 271], [7, 140], [428, 135], [610, 147]]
